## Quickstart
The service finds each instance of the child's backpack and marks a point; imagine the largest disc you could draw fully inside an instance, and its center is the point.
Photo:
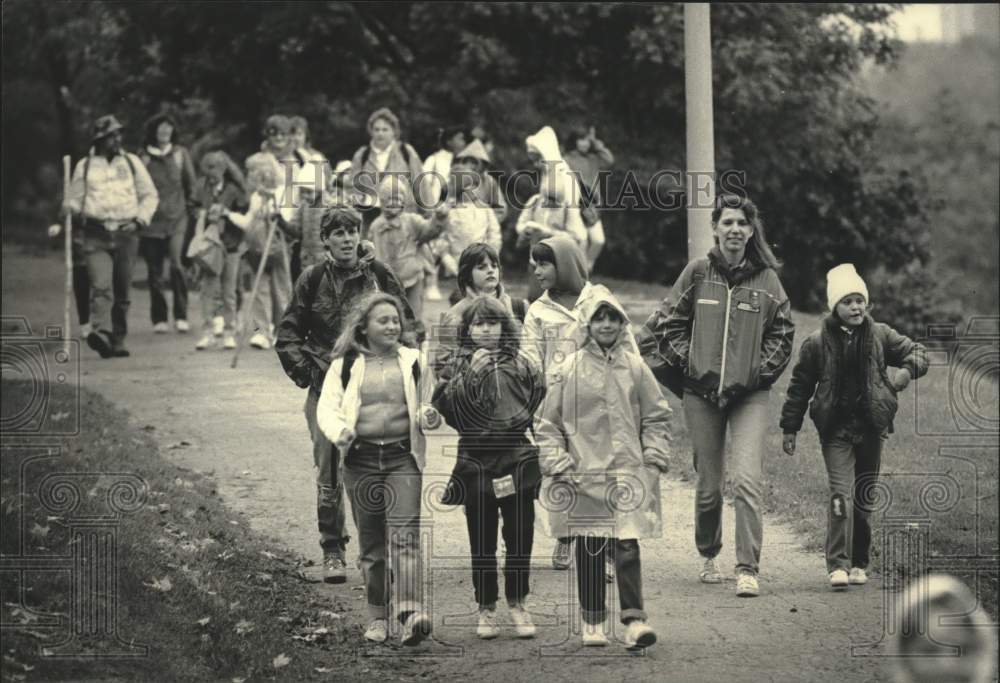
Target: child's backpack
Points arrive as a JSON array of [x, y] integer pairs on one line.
[[366, 152]]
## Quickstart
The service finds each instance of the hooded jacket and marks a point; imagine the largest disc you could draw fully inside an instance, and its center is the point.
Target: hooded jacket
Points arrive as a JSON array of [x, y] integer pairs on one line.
[[730, 330], [551, 331], [817, 379], [315, 316], [603, 435], [557, 204]]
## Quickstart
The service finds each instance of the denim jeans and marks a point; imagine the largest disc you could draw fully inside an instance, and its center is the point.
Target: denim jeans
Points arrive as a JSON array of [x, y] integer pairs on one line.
[[110, 257], [384, 485], [852, 465], [591, 552], [219, 288], [482, 515], [154, 250], [329, 487], [747, 421], [81, 282]]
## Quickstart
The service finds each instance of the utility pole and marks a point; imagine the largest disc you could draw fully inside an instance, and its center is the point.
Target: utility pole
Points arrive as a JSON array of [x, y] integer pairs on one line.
[[700, 177]]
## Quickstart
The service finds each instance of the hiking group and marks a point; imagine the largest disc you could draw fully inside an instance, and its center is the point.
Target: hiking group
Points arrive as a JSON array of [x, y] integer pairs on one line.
[[557, 400]]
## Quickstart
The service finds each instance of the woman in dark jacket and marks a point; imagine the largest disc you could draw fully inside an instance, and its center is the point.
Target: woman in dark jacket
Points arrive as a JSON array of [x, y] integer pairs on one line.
[[727, 326], [842, 368], [489, 393], [172, 171]]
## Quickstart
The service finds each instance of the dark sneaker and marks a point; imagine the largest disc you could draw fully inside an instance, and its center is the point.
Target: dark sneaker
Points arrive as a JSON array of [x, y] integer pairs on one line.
[[99, 342], [334, 568], [120, 352], [417, 627]]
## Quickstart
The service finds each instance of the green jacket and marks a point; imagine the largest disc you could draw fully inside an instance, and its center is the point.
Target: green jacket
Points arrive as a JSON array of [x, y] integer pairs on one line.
[[816, 378]]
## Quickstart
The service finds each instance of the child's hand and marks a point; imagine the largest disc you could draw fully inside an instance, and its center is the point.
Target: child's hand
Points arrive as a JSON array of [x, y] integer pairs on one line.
[[788, 444], [901, 380]]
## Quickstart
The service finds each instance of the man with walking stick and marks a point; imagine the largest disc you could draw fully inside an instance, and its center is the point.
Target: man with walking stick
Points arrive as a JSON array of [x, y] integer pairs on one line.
[[113, 196], [324, 296]]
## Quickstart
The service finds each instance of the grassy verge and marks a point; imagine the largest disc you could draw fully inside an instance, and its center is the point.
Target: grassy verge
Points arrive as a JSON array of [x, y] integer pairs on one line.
[[206, 597]]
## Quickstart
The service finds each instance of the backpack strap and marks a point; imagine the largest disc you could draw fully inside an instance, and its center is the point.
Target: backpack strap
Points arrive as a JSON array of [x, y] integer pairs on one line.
[[345, 368], [315, 279], [381, 272]]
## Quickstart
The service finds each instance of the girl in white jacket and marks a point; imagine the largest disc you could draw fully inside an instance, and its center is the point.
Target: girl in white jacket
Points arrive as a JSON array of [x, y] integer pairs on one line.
[[369, 408]]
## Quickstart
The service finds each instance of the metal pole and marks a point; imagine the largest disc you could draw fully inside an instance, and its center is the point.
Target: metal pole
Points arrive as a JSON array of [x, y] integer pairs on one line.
[[700, 177]]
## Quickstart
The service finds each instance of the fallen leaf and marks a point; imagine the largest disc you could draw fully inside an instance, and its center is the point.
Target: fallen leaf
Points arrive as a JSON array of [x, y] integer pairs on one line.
[[322, 670], [204, 621], [59, 417], [163, 585], [163, 507], [328, 614], [179, 444], [281, 661], [268, 555], [243, 627]]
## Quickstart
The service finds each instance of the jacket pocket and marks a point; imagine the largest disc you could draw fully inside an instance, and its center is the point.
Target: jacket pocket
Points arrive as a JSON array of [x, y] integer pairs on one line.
[[705, 349]]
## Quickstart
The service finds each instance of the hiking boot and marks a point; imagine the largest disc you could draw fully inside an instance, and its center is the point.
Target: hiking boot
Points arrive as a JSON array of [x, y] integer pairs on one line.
[[710, 572], [523, 625], [639, 634], [218, 325], [377, 631], [858, 576], [593, 635], [487, 628], [182, 326], [260, 341], [120, 352], [334, 568], [229, 342], [747, 586], [100, 342], [562, 555], [417, 627], [838, 579], [205, 342], [161, 328]]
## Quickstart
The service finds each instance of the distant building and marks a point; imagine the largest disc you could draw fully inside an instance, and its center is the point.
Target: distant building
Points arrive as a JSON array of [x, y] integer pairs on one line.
[[961, 21]]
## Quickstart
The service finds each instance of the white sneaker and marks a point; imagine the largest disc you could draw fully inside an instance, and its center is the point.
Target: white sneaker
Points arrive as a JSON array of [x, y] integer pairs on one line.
[[377, 631], [417, 627], [487, 628], [432, 293], [593, 635], [259, 341], [838, 579], [858, 576], [218, 325], [747, 586], [229, 342], [161, 328], [204, 343], [639, 634], [85, 330], [562, 556], [523, 625], [710, 572], [182, 326]]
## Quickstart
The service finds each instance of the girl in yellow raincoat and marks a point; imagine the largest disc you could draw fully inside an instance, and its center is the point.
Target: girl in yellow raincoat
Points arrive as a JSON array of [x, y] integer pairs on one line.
[[603, 435]]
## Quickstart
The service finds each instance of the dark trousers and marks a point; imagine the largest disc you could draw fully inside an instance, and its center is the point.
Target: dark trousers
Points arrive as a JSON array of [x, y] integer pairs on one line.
[[109, 257], [330, 511], [482, 515], [155, 250], [590, 586], [81, 283], [853, 458]]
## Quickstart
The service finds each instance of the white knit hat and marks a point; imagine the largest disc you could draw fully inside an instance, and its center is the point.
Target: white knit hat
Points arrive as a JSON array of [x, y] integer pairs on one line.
[[841, 281]]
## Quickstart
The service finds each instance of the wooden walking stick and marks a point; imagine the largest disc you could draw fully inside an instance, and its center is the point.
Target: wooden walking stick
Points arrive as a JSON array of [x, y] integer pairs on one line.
[[253, 294], [68, 230]]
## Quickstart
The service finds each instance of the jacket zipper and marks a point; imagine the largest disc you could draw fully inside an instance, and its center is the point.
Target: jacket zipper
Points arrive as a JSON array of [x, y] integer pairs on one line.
[[725, 338]]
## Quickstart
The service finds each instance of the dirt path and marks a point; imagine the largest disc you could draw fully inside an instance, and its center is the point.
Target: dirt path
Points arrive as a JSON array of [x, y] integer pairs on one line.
[[246, 429]]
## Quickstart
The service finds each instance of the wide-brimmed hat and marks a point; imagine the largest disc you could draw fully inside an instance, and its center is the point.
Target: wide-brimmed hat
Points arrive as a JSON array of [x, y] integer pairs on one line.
[[105, 126]]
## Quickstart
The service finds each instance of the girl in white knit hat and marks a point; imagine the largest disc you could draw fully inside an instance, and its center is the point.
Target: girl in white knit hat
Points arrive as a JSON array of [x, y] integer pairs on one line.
[[843, 369]]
